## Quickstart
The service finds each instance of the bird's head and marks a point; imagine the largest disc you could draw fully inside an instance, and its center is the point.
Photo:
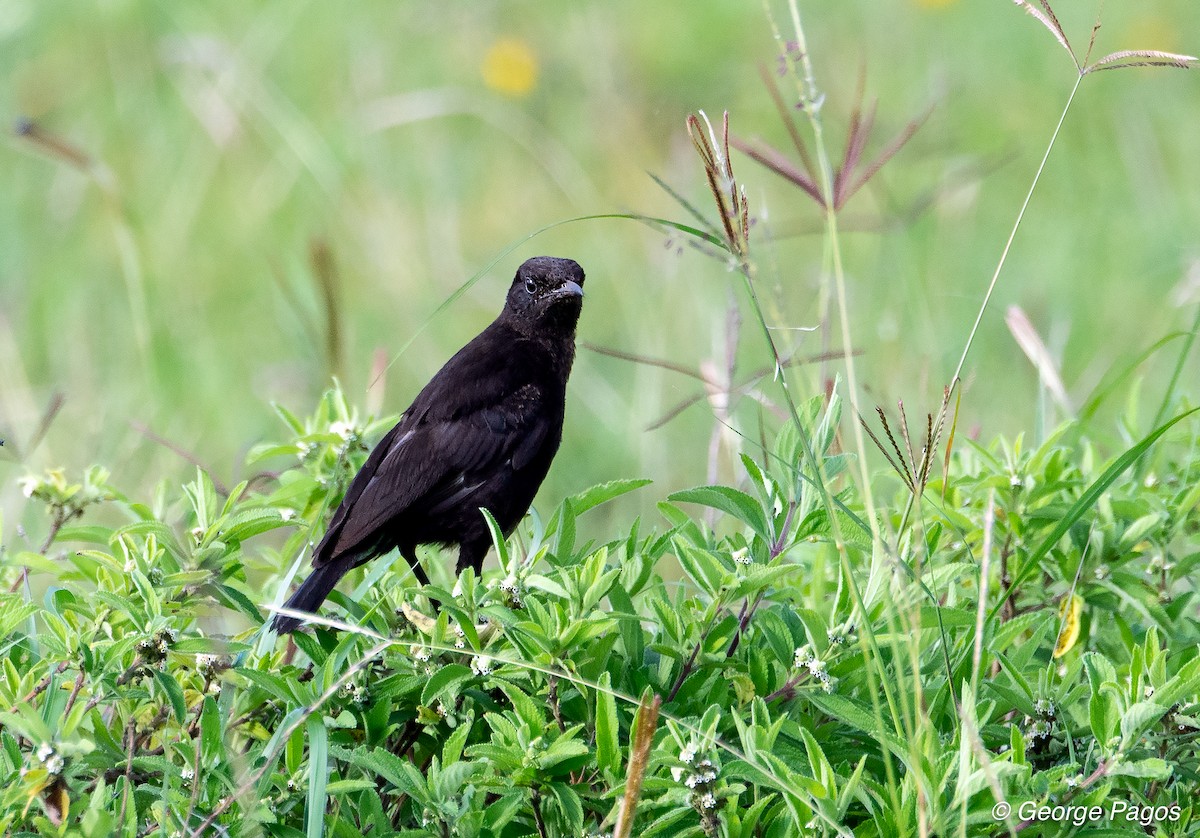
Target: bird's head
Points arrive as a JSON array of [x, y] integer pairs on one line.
[[546, 296]]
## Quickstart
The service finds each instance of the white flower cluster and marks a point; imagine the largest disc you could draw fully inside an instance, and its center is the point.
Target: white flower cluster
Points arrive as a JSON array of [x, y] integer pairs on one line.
[[50, 759], [1040, 729], [511, 587], [805, 659], [481, 664], [210, 665], [345, 430], [154, 649], [1159, 564], [699, 776], [357, 693], [841, 634]]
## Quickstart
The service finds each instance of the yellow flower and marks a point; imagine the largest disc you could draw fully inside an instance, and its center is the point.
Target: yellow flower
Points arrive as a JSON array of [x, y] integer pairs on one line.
[[510, 67]]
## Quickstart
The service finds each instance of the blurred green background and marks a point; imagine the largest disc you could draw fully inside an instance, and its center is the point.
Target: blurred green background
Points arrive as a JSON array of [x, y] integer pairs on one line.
[[157, 231]]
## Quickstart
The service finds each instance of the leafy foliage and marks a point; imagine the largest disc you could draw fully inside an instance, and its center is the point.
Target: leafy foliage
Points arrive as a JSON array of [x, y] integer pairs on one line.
[[138, 694]]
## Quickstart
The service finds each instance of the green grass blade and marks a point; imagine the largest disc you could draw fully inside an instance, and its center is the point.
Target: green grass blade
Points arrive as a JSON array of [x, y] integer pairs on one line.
[[318, 775]]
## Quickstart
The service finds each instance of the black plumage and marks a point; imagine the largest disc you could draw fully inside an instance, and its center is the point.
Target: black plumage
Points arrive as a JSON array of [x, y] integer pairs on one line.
[[481, 434]]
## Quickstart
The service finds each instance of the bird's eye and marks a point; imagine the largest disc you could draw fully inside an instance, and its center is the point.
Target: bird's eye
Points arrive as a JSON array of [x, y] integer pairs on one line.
[[530, 286]]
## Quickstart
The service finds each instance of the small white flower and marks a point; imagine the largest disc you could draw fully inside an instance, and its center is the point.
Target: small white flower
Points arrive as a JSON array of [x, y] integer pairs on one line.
[[420, 653], [688, 754], [343, 429], [481, 664], [29, 485], [187, 773], [1148, 692], [709, 801], [286, 514], [54, 765], [742, 556], [130, 565], [45, 751]]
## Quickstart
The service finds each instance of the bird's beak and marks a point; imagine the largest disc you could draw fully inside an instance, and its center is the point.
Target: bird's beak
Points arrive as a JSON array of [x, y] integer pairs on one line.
[[570, 288]]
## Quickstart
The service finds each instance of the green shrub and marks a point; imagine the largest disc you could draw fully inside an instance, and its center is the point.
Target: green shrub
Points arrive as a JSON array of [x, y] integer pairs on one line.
[[137, 699]]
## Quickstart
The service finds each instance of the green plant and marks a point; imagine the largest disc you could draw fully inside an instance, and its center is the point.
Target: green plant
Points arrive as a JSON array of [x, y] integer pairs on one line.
[[804, 648]]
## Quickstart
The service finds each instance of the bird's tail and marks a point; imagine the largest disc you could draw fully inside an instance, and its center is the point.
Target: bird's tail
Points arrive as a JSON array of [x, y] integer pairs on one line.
[[310, 595]]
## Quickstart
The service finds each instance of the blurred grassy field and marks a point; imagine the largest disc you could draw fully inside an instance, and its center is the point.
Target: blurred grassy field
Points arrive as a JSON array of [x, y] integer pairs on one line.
[[167, 282]]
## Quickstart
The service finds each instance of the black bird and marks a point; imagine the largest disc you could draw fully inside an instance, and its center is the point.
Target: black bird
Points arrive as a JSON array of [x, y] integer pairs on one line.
[[481, 434]]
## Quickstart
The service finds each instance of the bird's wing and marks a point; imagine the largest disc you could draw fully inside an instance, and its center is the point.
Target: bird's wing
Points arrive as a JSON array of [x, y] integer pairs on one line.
[[475, 414]]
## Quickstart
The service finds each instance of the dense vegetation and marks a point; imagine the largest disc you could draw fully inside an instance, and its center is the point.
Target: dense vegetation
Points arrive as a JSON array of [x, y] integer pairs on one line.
[[984, 637], [1074, 680]]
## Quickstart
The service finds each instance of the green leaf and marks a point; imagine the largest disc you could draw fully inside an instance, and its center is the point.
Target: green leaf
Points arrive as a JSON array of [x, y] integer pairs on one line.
[[87, 533], [596, 495], [563, 748], [318, 776], [250, 522], [452, 750], [526, 708], [401, 773], [1102, 707], [1137, 720], [274, 748], [857, 715], [1152, 768], [210, 732], [608, 750], [703, 568], [174, 693], [340, 787], [498, 540], [628, 624], [1184, 684], [730, 501], [444, 681], [604, 492], [571, 807]]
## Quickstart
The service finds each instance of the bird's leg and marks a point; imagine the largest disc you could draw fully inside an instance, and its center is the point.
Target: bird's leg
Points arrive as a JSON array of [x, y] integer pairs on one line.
[[471, 554], [409, 552]]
